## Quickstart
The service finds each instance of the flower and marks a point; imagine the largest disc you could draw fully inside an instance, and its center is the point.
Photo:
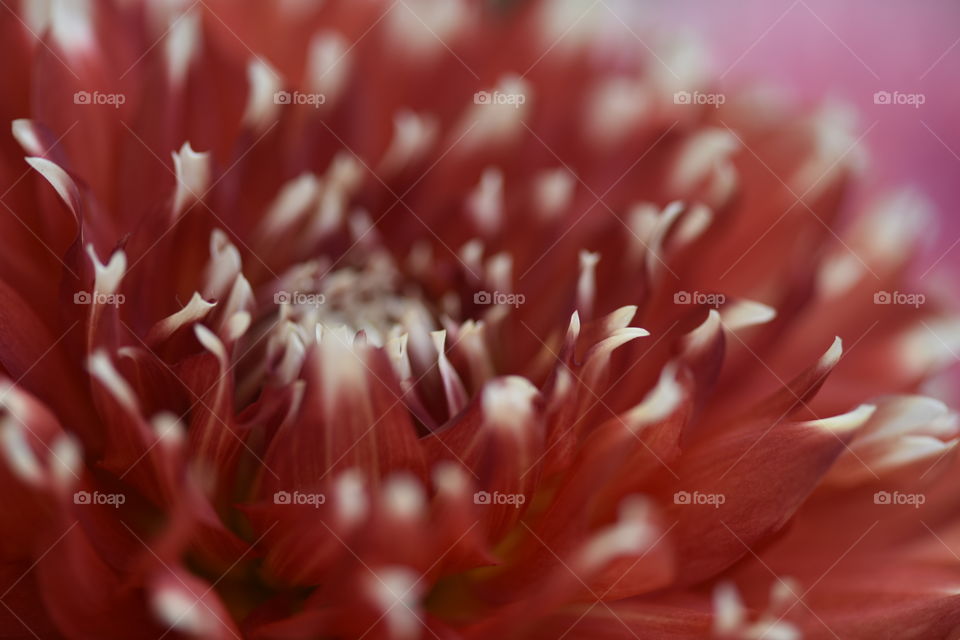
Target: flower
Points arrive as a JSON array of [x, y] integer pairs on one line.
[[324, 320]]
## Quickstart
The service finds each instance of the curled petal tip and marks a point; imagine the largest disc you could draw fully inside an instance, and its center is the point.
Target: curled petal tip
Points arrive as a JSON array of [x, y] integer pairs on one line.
[[845, 422], [509, 402]]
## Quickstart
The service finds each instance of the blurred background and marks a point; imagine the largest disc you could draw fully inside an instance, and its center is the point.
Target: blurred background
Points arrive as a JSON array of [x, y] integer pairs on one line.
[[846, 51]]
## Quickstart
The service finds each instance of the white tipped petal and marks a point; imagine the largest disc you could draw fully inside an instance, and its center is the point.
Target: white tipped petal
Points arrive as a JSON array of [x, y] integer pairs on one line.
[[264, 81], [621, 318], [168, 429], [294, 200], [396, 591], [845, 422], [351, 497], [181, 46], [452, 385], [495, 117], [568, 24], [61, 181], [659, 403], [108, 276], [485, 203], [741, 314], [704, 334], [508, 403], [404, 496], [194, 311], [633, 532], [553, 191], [26, 135], [328, 65], [71, 26], [179, 609], [18, 452], [341, 364], [237, 325], [66, 459], [413, 135], [210, 342], [774, 630], [830, 359], [224, 265], [729, 612], [702, 153], [587, 283], [450, 478], [422, 27], [694, 224], [930, 346], [499, 272], [616, 107], [193, 176], [101, 368]]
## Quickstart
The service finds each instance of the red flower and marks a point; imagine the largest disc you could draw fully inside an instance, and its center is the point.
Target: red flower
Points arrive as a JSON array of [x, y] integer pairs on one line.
[[362, 358]]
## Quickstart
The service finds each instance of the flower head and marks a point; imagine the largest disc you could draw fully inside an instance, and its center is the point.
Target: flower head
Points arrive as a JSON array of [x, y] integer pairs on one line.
[[455, 320]]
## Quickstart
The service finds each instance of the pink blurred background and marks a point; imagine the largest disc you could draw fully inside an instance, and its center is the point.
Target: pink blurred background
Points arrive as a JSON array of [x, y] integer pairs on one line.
[[849, 49]]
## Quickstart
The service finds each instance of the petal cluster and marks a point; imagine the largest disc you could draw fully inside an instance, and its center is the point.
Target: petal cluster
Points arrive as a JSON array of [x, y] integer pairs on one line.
[[450, 319]]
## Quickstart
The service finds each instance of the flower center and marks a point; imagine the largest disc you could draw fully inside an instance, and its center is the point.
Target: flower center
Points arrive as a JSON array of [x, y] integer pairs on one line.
[[374, 299]]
